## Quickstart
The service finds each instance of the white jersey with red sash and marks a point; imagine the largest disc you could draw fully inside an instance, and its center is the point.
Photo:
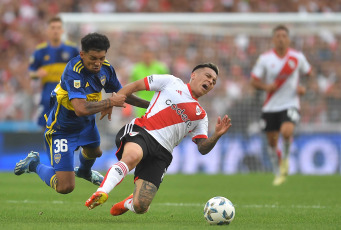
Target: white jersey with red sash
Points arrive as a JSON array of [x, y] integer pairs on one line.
[[173, 112], [285, 73]]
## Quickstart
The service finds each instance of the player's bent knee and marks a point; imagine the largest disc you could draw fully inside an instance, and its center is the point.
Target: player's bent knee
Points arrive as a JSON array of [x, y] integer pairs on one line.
[[141, 209], [65, 189]]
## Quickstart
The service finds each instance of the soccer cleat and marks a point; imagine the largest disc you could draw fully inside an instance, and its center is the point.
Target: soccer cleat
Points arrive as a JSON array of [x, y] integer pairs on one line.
[[284, 167], [23, 166], [279, 180], [96, 199], [96, 178], [118, 208]]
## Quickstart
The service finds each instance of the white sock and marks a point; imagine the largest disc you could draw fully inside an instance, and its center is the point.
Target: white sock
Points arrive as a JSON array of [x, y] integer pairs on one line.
[[129, 205], [274, 160], [113, 177], [286, 151]]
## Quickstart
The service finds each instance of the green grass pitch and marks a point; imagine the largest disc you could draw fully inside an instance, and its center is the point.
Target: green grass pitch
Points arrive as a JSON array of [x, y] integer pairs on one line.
[[302, 202]]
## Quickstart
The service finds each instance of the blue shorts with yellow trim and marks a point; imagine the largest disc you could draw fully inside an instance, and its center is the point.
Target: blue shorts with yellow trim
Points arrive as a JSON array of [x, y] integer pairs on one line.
[[61, 145]]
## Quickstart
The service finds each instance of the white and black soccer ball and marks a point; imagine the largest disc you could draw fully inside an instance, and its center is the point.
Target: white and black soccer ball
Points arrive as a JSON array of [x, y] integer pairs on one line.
[[219, 210]]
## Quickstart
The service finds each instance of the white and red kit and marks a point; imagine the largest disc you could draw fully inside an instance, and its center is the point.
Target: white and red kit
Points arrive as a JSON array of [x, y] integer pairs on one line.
[[173, 112], [284, 71]]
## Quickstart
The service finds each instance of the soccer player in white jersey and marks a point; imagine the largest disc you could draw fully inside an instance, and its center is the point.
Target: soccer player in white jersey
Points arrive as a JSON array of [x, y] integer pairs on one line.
[[277, 72], [146, 144]]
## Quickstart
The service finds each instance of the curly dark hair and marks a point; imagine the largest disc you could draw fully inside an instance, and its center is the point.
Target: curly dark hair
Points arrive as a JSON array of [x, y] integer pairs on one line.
[[95, 41]]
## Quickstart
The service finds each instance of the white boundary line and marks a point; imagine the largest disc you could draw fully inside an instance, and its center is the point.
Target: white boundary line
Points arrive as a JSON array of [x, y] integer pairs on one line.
[[313, 206]]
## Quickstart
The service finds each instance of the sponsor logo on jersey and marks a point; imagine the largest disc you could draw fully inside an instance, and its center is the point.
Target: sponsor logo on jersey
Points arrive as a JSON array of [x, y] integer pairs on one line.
[[77, 83], [65, 56], [180, 112], [103, 79], [198, 111], [133, 134], [57, 157]]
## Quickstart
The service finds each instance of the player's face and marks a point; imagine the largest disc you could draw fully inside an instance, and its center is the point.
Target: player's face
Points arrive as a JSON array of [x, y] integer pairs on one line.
[[55, 31], [202, 81], [93, 60], [281, 39]]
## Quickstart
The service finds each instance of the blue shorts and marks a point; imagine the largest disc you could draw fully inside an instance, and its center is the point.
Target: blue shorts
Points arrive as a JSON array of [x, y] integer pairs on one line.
[[61, 145]]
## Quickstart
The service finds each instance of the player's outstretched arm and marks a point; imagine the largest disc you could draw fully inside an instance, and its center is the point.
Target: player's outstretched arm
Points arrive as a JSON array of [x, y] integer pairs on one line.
[[137, 101], [221, 127], [86, 108]]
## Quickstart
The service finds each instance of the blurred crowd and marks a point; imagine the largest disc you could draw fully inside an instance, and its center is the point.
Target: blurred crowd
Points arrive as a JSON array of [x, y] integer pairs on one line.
[[23, 23]]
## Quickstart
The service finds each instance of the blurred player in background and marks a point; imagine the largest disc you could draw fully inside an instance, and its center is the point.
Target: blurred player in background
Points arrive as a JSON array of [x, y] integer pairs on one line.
[[277, 73], [48, 61], [147, 143], [146, 67], [71, 122]]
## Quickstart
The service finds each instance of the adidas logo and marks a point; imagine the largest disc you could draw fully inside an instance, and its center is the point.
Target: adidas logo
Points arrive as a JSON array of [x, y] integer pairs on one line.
[[119, 171], [179, 91]]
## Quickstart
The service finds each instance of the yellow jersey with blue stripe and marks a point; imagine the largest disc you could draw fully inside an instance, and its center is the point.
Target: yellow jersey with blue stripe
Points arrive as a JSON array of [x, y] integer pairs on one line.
[[78, 82]]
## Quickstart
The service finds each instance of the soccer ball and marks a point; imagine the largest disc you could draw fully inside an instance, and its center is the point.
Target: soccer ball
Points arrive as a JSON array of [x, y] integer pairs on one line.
[[219, 210]]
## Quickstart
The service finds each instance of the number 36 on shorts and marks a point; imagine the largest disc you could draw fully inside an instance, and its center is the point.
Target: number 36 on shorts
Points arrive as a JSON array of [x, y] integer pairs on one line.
[[60, 145]]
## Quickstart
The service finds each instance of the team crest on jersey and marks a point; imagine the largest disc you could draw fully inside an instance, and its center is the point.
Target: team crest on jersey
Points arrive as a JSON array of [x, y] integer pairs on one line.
[[77, 83], [198, 110], [132, 134], [65, 56], [103, 79], [46, 57], [57, 157]]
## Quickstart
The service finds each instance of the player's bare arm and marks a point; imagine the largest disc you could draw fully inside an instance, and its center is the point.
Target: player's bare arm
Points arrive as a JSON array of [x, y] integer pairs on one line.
[[85, 108], [40, 73], [136, 101], [258, 84], [133, 87], [222, 126]]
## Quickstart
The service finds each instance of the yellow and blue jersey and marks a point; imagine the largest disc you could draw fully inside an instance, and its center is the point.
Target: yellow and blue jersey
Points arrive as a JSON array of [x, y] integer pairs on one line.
[[53, 60], [78, 82]]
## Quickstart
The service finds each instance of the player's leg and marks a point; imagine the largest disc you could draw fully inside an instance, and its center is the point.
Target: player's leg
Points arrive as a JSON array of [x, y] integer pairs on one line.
[[272, 127], [131, 156], [287, 131], [139, 201], [89, 139], [87, 158], [272, 140], [149, 174], [60, 148]]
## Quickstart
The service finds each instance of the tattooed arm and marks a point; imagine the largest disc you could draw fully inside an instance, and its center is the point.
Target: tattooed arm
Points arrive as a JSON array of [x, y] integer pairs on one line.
[[86, 108], [221, 127]]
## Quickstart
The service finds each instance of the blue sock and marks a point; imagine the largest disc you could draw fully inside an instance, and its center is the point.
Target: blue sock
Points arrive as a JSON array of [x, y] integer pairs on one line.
[[47, 174], [85, 164]]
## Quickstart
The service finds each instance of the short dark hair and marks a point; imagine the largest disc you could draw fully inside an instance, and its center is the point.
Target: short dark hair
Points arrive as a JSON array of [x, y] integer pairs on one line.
[[280, 27], [208, 65], [54, 19], [95, 41]]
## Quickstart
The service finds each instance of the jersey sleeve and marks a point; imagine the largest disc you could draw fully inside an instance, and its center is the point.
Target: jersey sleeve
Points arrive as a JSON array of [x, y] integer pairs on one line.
[[258, 70], [201, 130], [34, 61], [157, 82], [305, 67], [74, 84], [112, 84]]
